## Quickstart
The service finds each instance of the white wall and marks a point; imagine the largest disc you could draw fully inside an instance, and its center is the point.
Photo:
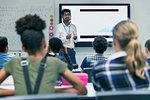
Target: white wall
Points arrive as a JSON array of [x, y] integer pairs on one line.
[[140, 14]]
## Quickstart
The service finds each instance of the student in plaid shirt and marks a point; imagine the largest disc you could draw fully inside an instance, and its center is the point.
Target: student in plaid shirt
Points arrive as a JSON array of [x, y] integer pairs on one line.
[[125, 69], [100, 46]]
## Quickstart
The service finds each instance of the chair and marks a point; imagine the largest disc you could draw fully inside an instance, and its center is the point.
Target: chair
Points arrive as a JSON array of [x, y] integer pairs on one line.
[[124, 95], [89, 72], [55, 96], [75, 66]]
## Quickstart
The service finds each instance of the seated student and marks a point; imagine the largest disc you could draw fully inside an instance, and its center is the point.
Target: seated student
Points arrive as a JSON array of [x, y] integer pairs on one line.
[[147, 50], [124, 70], [99, 45], [55, 44], [4, 56], [33, 42]]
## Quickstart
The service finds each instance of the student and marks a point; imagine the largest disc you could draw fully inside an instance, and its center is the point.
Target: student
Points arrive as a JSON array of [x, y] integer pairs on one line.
[[33, 42], [99, 45], [55, 45], [67, 32], [147, 50], [4, 56], [124, 70]]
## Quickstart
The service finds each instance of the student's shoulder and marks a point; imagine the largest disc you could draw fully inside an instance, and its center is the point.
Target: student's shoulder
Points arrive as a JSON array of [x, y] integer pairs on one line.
[[16, 58], [13, 60], [89, 57]]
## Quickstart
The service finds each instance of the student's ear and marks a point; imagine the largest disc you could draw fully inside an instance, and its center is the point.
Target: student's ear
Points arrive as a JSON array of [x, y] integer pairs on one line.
[[22, 47], [6, 49], [114, 42], [146, 50], [44, 43], [48, 48]]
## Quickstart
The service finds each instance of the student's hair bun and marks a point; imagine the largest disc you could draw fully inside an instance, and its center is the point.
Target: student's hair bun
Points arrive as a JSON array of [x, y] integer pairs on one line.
[[29, 22]]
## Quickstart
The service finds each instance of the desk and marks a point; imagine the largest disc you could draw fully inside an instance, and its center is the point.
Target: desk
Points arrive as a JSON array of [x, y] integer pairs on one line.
[[91, 91], [8, 83], [91, 95]]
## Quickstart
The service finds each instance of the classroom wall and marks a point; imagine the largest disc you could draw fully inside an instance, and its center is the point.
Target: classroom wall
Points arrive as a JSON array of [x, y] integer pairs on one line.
[[139, 14]]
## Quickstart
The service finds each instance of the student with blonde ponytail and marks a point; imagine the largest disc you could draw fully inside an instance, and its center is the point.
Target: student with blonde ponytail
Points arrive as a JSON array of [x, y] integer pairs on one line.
[[124, 70], [126, 34]]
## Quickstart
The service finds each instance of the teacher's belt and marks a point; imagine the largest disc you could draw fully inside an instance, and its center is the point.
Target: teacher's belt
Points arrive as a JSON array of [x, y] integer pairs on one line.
[[70, 48]]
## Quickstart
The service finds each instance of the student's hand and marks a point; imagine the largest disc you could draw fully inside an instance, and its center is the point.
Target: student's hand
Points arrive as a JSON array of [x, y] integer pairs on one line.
[[68, 36], [64, 49]]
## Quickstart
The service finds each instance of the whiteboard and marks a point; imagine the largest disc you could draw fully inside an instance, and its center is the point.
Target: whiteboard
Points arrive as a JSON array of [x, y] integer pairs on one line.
[[12, 10], [93, 20]]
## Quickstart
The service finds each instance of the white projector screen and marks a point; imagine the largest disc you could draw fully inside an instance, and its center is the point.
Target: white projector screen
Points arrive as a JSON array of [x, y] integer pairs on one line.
[[94, 20]]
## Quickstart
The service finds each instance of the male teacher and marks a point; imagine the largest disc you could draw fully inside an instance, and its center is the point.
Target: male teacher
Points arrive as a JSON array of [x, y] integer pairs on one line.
[[67, 32]]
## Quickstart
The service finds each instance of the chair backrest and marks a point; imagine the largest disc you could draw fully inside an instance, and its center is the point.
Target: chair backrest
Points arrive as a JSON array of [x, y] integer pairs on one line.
[[55, 96], [75, 66], [124, 95], [89, 72]]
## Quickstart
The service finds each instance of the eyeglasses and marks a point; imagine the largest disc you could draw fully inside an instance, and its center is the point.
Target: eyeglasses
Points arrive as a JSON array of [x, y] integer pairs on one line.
[[67, 15]]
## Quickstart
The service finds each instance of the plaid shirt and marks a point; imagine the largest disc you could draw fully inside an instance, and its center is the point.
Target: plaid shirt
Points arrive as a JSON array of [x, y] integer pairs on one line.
[[113, 75], [89, 61], [148, 61]]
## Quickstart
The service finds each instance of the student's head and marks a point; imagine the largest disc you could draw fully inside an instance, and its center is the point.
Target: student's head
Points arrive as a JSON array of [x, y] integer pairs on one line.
[[3, 44], [30, 29], [55, 44], [147, 46], [100, 45], [66, 15], [125, 34]]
